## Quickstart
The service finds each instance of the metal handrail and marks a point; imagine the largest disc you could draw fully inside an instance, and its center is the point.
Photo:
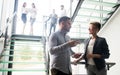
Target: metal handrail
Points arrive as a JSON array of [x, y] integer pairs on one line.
[[108, 64], [5, 35]]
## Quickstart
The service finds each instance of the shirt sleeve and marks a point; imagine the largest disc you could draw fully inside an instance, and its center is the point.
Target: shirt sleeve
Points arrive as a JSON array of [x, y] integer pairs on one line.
[[53, 45]]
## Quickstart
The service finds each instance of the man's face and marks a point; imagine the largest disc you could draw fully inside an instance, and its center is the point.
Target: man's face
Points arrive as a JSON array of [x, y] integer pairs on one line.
[[62, 7], [67, 25]]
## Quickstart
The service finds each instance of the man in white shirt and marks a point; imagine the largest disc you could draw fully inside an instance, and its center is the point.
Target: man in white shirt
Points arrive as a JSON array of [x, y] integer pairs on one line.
[[63, 11]]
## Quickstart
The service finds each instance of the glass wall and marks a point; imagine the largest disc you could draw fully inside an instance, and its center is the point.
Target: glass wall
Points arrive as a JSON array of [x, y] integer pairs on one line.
[[1, 4]]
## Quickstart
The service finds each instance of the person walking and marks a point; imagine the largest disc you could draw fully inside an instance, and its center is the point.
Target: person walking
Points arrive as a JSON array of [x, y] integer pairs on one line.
[[53, 21]]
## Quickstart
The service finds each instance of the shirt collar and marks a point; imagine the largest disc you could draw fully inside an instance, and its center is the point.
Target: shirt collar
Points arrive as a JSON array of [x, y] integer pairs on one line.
[[63, 32]]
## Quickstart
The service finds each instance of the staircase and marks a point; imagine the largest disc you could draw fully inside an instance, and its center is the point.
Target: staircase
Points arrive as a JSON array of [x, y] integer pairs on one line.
[[24, 55]]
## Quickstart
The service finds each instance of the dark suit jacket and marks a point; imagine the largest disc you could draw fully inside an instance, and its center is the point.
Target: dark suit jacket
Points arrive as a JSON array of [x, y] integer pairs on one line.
[[100, 47]]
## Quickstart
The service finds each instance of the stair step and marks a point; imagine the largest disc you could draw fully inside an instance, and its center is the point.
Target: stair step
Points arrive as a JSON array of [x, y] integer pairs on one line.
[[23, 62], [33, 70], [24, 55], [27, 37]]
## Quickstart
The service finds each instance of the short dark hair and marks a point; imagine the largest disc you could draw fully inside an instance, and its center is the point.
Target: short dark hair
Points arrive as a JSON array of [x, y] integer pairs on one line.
[[62, 5], [96, 24], [64, 18]]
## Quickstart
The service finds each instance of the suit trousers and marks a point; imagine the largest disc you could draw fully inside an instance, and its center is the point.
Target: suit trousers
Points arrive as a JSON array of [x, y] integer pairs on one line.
[[92, 70]]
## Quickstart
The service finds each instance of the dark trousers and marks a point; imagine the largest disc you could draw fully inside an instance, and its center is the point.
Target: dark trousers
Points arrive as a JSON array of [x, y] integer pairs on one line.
[[92, 70], [52, 27], [57, 72]]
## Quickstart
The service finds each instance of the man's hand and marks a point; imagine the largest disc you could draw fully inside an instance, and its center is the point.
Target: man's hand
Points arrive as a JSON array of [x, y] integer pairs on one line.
[[73, 43], [76, 61], [76, 55]]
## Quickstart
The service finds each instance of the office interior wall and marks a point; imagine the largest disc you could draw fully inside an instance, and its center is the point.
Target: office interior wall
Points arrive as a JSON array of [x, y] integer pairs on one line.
[[111, 31]]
